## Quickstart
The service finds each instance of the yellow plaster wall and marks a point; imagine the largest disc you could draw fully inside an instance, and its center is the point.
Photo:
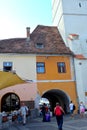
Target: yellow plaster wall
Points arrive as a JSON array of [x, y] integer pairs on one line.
[[51, 70], [67, 87], [64, 80]]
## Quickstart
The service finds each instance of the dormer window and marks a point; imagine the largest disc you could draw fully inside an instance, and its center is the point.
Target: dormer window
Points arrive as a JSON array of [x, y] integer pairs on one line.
[[39, 45]]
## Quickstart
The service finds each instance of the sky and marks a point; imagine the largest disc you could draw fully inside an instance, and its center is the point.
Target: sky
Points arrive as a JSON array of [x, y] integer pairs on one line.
[[16, 15]]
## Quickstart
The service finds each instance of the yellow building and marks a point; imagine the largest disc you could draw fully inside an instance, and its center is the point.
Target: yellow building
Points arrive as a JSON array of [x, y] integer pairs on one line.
[[55, 79]]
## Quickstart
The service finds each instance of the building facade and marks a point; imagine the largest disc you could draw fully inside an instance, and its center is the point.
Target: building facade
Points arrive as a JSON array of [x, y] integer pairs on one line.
[[44, 66]]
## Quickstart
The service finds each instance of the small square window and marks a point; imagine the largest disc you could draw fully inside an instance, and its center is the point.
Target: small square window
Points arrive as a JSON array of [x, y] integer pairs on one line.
[[7, 66], [39, 45], [61, 67], [40, 66]]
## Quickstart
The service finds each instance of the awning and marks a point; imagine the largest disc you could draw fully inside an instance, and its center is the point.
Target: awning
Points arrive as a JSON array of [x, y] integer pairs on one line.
[[8, 79]]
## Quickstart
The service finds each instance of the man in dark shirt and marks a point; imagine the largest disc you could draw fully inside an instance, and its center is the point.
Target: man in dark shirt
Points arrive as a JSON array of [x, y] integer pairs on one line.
[[43, 109]]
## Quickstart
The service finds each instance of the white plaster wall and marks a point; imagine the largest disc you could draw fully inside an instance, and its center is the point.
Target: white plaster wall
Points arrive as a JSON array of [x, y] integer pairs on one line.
[[78, 46], [56, 12], [70, 17], [81, 78], [75, 46], [75, 24], [72, 68], [84, 79], [24, 65], [72, 6], [61, 28]]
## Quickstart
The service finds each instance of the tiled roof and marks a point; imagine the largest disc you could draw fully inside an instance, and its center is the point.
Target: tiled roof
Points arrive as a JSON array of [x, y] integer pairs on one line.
[[49, 36], [80, 56]]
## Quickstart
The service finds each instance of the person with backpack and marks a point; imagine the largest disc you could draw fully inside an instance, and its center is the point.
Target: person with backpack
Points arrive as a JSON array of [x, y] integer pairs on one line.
[[72, 108], [59, 112]]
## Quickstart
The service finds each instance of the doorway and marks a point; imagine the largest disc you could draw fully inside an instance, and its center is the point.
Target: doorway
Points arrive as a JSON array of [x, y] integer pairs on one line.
[[56, 95]]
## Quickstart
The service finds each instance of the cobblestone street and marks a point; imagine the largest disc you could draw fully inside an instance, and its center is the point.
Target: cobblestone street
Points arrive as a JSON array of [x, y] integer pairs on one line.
[[36, 124]]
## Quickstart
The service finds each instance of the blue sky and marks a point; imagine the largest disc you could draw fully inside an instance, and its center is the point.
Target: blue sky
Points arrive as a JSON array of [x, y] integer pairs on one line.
[[16, 15]]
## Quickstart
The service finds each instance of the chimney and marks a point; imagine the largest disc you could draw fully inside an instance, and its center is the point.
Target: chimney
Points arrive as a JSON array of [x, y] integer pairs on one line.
[[28, 33]]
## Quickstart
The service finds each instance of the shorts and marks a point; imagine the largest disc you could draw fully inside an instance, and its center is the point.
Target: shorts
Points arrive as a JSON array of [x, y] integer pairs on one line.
[[71, 111]]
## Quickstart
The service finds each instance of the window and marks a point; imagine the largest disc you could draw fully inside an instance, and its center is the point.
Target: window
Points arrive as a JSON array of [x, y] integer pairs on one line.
[[40, 67], [7, 66], [61, 67], [79, 4], [39, 45], [10, 102]]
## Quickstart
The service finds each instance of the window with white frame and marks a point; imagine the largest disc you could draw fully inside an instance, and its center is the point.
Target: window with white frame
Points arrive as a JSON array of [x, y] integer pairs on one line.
[[61, 67], [7, 66], [40, 66]]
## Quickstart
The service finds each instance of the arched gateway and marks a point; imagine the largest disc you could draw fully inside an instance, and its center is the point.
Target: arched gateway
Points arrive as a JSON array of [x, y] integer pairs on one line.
[[56, 95]]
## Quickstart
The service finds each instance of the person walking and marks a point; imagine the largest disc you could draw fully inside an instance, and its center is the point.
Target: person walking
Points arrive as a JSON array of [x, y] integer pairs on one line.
[[82, 109], [24, 110], [71, 108], [43, 110], [59, 112]]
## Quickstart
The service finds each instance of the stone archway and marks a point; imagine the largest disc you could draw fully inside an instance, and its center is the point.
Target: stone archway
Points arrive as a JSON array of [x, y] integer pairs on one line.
[[56, 95], [10, 102]]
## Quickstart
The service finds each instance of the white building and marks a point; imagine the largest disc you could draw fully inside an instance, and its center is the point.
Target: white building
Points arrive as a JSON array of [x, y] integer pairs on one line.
[[71, 19]]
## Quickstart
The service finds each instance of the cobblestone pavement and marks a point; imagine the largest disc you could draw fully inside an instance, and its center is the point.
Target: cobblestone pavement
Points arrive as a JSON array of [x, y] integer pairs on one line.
[[75, 123]]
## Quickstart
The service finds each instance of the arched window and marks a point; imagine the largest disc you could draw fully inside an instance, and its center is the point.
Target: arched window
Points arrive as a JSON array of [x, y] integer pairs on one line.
[[10, 102]]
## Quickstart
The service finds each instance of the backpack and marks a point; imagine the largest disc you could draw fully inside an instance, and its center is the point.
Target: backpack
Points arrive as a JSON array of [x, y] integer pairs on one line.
[[74, 107], [58, 111]]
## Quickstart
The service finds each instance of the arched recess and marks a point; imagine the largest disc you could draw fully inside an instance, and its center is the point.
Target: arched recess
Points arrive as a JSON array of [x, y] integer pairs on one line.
[[10, 102], [60, 96]]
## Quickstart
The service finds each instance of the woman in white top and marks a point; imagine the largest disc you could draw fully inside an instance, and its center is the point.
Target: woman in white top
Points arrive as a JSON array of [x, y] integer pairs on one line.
[[71, 108]]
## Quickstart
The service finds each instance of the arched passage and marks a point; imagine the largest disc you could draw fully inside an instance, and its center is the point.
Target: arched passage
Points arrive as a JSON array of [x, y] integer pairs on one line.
[[56, 95], [9, 102]]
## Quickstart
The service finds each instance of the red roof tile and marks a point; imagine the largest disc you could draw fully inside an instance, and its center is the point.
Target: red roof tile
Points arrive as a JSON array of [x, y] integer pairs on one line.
[[49, 36], [80, 56]]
